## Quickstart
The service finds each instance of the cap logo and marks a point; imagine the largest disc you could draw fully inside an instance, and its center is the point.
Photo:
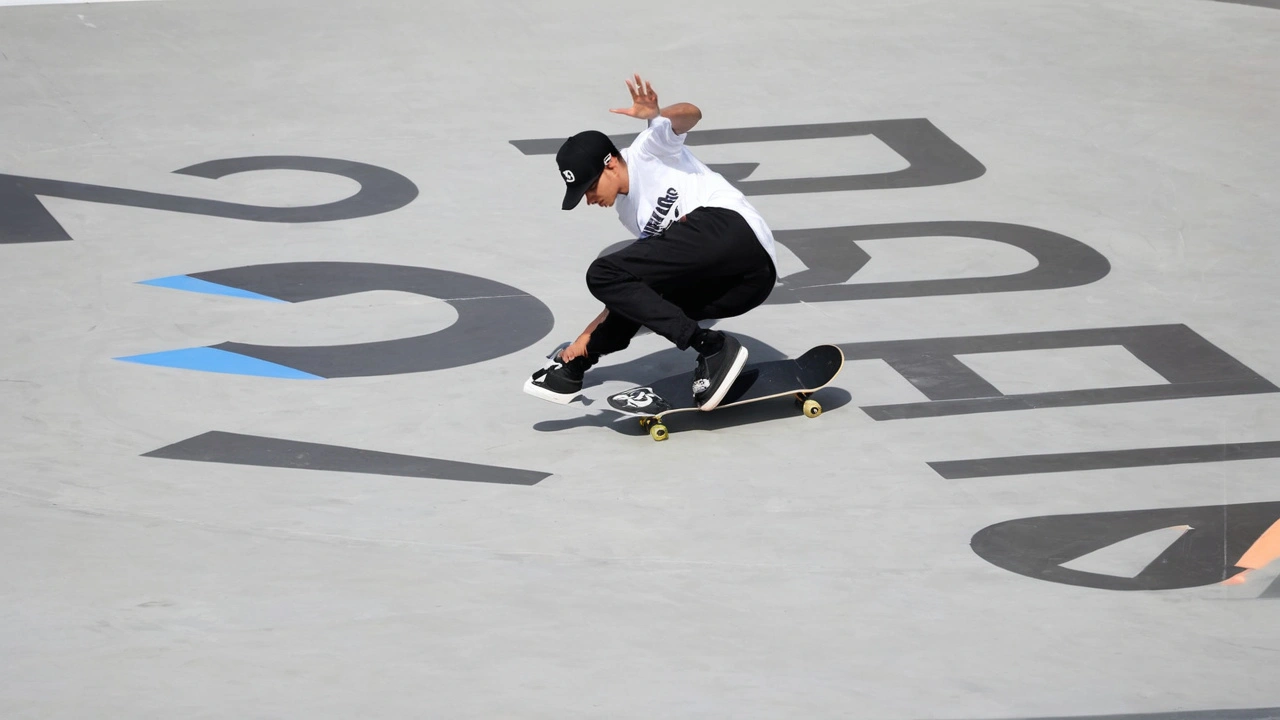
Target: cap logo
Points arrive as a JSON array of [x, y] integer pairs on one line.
[[606, 158], [568, 176]]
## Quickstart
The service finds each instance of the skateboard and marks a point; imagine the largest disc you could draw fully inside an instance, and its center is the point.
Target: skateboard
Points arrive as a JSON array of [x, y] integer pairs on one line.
[[799, 377]]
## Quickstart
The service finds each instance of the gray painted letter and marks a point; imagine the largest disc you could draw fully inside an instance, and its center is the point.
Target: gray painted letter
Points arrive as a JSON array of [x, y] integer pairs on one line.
[[833, 257], [23, 219], [1193, 366], [933, 158]]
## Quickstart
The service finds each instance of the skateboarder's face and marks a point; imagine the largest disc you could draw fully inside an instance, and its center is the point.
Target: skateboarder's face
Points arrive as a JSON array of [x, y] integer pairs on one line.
[[611, 182]]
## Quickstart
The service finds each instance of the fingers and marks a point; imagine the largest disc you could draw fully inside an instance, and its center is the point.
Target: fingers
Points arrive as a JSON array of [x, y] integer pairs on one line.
[[575, 349], [643, 98], [641, 89]]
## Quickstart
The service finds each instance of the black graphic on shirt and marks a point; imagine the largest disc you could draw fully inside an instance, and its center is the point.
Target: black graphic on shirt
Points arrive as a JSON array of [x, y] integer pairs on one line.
[[663, 214]]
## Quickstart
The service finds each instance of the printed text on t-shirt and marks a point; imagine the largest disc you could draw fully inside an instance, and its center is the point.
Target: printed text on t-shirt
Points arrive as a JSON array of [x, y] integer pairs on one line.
[[663, 213]]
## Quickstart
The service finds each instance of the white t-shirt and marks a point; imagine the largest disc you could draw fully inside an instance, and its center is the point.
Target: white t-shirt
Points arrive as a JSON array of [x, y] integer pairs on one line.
[[668, 182]]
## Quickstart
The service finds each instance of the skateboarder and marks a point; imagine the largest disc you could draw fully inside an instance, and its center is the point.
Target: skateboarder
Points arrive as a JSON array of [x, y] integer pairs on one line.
[[702, 251]]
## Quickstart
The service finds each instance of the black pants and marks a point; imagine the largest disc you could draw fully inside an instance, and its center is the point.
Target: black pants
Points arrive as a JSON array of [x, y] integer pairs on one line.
[[709, 265]]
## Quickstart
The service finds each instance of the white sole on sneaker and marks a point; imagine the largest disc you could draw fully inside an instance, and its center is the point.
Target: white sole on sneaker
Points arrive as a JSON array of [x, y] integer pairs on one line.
[[735, 369], [538, 391]]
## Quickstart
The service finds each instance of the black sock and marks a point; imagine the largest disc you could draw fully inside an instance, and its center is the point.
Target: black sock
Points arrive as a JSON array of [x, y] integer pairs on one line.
[[706, 342]]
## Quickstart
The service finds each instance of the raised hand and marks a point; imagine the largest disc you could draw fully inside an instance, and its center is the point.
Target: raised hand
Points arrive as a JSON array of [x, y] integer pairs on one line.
[[644, 101]]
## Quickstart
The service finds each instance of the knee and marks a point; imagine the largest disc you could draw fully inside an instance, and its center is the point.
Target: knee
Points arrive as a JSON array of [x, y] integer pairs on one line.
[[602, 273]]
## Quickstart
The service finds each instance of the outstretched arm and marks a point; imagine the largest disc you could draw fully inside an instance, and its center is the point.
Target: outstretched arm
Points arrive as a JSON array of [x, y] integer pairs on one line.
[[644, 105], [683, 117]]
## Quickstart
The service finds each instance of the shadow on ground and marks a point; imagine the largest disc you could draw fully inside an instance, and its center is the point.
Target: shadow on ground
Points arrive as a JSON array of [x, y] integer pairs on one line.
[[832, 398], [671, 361]]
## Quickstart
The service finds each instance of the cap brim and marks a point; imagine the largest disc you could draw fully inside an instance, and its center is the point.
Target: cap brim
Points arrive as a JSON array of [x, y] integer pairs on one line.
[[572, 197]]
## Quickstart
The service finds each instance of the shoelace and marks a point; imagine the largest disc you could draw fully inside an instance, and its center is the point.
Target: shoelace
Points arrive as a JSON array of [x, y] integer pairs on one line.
[[700, 377]]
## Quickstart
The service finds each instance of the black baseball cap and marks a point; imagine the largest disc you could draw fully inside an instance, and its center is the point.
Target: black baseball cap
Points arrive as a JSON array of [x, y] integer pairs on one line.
[[581, 159]]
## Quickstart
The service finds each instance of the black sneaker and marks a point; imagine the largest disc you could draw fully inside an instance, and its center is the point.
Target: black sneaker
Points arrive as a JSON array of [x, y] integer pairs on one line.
[[558, 381], [716, 373]]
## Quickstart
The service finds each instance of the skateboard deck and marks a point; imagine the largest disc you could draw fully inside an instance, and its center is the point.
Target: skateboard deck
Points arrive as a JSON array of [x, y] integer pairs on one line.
[[799, 377]]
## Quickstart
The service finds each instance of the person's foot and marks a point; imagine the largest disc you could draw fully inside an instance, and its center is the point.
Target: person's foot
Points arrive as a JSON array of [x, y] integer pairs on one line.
[[717, 369], [558, 381]]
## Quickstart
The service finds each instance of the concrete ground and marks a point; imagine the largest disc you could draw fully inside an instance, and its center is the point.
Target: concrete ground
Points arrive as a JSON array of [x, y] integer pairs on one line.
[[272, 274]]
